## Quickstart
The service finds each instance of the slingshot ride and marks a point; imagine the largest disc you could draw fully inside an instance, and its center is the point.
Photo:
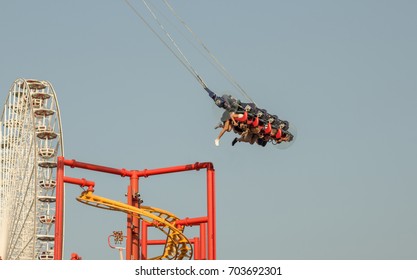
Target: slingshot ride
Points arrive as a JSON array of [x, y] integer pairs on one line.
[[253, 123]]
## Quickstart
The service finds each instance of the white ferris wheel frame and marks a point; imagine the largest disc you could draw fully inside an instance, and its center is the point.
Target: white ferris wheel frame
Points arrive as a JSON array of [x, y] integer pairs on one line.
[[31, 140]]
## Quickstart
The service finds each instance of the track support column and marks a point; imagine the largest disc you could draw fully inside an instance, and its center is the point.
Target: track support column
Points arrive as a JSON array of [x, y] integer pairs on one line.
[[59, 210], [133, 226], [211, 213]]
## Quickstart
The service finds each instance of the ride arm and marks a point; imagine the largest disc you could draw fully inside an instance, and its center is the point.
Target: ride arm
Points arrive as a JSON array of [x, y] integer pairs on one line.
[[219, 101], [203, 84], [211, 93]]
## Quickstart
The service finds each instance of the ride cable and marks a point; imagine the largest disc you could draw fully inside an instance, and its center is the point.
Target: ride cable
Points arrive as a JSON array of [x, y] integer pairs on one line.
[[179, 54], [217, 63]]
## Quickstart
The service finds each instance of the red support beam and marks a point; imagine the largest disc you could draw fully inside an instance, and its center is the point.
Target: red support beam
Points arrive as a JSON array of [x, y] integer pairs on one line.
[[191, 221], [59, 204], [134, 184], [99, 168], [203, 242], [157, 242], [144, 240], [140, 173], [173, 169], [129, 224], [80, 182], [211, 215], [59, 210], [196, 242]]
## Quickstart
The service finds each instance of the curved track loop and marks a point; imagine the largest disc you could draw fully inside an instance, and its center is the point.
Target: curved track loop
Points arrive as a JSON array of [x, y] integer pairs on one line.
[[177, 246]]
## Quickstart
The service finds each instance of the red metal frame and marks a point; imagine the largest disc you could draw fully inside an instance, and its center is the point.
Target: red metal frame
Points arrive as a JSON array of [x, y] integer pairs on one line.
[[136, 244]]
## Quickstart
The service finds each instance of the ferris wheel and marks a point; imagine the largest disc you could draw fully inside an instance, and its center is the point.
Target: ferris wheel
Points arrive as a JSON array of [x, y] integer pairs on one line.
[[31, 140]]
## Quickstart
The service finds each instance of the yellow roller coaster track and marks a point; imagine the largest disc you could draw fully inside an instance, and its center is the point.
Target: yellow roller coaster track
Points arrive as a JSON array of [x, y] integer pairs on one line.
[[177, 246]]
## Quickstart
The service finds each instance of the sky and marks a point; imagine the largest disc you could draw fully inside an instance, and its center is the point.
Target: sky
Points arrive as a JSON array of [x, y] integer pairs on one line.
[[343, 73]]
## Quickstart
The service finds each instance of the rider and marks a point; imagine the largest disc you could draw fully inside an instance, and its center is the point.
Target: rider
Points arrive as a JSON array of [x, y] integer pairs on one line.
[[231, 106], [253, 135]]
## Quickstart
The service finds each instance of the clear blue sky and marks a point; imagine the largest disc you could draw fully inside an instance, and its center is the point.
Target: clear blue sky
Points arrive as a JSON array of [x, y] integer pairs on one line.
[[343, 72]]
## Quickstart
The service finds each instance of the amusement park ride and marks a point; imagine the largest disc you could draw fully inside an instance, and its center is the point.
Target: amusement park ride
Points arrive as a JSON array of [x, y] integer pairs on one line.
[[33, 181]]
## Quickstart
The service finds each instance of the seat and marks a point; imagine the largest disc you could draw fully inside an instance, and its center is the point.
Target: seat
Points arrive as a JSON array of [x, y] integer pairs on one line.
[[243, 118], [278, 134], [255, 122], [47, 184], [46, 152], [46, 255], [268, 128], [46, 219]]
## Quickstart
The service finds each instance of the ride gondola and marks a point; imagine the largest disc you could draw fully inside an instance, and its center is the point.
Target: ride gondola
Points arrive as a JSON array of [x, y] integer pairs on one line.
[[253, 124]]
